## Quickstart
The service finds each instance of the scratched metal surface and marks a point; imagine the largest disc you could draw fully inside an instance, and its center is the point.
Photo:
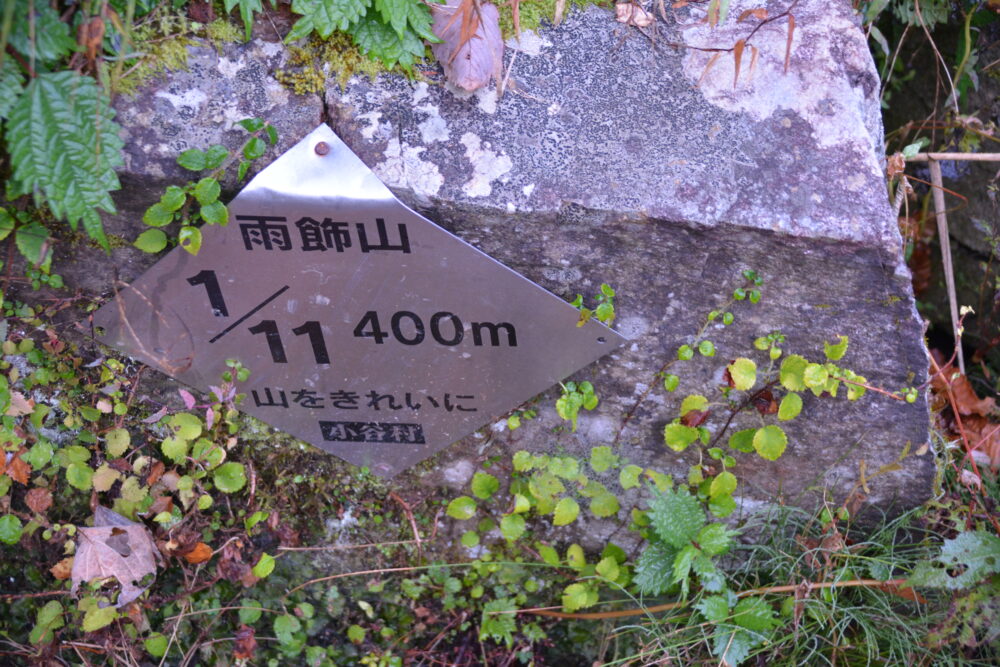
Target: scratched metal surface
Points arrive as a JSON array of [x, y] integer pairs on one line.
[[369, 331]]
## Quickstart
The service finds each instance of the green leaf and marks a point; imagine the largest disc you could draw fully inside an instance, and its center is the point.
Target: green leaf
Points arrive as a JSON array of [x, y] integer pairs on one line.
[[11, 82], [250, 612], [356, 634], [791, 406], [99, 617], [835, 351], [714, 608], [512, 526], [685, 353], [963, 562], [49, 618], [462, 508], [264, 566], [185, 425], [677, 516], [754, 613], [48, 39], [706, 348], [792, 371], [548, 554], [770, 442], [671, 382], [601, 458], [156, 644], [207, 191], [678, 436], [744, 373], [604, 505], [32, 241], [10, 529], [251, 124], [230, 477], [215, 155], [80, 476], [629, 476], [484, 485], [608, 568], [723, 485], [6, 224], [215, 213], [174, 448], [158, 215], [379, 41], [247, 10], [693, 402], [189, 237], [325, 16], [682, 567], [39, 454], [566, 512], [815, 376], [173, 198], [722, 506], [566, 467], [742, 441], [578, 596], [470, 538], [151, 241], [732, 648], [193, 159], [254, 148], [64, 145], [116, 442], [654, 572], [284, 626], [714, 539]]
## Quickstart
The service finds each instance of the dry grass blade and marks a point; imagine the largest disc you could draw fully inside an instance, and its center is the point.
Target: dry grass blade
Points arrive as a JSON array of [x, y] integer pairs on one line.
[[737, 58], [754, 52], [708, 66], [788, 46]]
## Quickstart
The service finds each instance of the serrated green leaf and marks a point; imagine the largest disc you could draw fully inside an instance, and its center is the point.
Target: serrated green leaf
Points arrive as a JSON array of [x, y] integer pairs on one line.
[[80, 476], [174, 448], [6, 227], [608, 568], [215, 155], [654, 571], [791, 406], [325, 16], [379, 41], [193, 159], [64, 146], [722, 506], [99, 617], [566, 467], [754, 613], [792, 371], [11, 85], [815, 376], [714, 608], [230, 477], [714, 539], [215, 213], [512, 526], [172, 199], [395, 13], [963, 562], [284, 626], [484, 485], [723, 484], [836, 351], [545, 485], [629, 476], [576, 596], [693, 402], [48, 39], [732, 647], [676, 517], [682, 567], [604, 505], [49, 618], [461, 508], [566, 512], [678, 436], [744, 373], [151, 241], [254, 148], [770, 442], [116, 442], [207, 191], [10, 529]]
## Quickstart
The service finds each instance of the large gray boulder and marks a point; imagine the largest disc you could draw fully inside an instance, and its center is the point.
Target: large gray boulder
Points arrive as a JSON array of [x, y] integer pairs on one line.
[[617, 156]]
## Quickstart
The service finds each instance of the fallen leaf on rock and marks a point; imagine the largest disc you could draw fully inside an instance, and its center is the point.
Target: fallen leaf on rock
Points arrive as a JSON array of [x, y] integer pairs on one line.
[[17, 469], [38, 500], [626, 12], [19, 405], [471, 47], [199, 554], [114, 548]]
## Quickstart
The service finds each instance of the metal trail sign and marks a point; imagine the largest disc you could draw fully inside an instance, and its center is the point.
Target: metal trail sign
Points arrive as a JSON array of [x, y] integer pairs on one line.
[[369, 331]]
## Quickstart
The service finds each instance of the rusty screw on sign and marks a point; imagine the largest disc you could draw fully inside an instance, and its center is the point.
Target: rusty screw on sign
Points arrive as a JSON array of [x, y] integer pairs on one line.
[[322, 148]]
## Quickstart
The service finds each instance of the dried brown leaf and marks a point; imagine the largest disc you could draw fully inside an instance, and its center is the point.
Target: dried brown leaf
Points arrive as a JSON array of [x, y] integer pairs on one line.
[[114, 548], [737, 57], [632, 14], [695, 418], [63, 569], [19, 405], [38, 499], [245, 644], [17, 469], [759, 13], [199, 554], [708, 66], [966, 399], [471, 47], [754, 52]]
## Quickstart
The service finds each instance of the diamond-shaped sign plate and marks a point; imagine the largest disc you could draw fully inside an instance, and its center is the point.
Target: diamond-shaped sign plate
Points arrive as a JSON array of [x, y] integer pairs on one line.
[[369, 331]]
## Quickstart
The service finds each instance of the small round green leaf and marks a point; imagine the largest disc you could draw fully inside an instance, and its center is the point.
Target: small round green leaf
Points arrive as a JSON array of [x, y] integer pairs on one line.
[[156, 644], [215, 156], [671, 382], [207, 191], [173, 198], [174, 448], [693, 402], [254, 148], [230, 477], [792, 370], [189, 238], [512, 526], [770, 442], [678, 437], [185, 425], [151, 241], [116, 442], [192, 159], [10, 529], [566, 512], [158, 215], [743, 371], [601, 458], [462, 508], [707, 348], [484, 485], [835, 351], [815, 376], [791, 406], [215, 213], [264, 566], [604, 505], [684, 353], [629, 476], [80, 476], [723, 485]]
